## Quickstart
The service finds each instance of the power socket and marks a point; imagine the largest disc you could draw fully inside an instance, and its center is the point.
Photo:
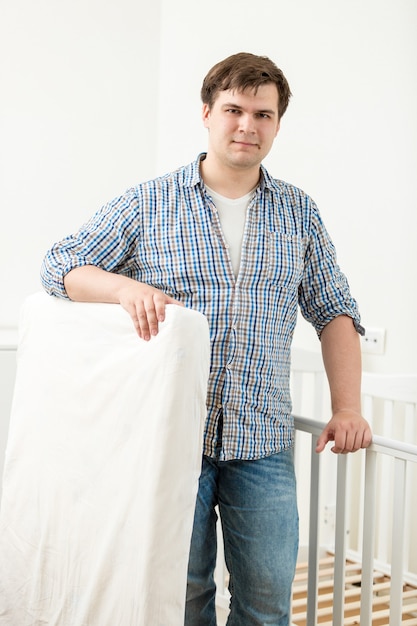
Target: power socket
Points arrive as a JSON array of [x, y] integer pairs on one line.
[[373, 341]]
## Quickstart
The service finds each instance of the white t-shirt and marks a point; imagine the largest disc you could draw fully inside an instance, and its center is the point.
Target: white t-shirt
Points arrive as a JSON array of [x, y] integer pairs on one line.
[[232, 215]]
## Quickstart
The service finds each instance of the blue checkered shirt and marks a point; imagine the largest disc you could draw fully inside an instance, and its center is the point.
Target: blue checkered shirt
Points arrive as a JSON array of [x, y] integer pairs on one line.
[[167, 233]]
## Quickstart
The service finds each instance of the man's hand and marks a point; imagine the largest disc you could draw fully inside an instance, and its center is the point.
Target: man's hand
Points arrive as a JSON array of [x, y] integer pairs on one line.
[[146, 307], [145, 304], [349, 431]]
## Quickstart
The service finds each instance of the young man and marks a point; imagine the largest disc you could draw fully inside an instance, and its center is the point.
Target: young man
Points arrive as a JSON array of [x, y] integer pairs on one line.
[[222, 236]]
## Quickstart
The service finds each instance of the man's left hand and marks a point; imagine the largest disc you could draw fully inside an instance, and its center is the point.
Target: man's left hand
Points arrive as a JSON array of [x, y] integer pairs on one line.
[[349, 431]]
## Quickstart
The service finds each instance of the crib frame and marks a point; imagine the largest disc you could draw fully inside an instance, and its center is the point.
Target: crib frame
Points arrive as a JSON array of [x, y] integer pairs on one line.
[[381, 525]]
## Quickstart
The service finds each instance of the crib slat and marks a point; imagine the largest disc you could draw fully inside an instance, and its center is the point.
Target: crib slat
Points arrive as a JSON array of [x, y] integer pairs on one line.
[[340, 555], [313, 547], [368, 538], [397, 559], [409, 435]]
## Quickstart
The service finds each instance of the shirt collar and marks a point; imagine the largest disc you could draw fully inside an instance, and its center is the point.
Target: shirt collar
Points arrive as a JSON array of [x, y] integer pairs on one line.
[[192, 176], [191, 173]]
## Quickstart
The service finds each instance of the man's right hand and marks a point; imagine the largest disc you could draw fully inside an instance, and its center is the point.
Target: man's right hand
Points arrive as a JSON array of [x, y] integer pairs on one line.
[[145, 304], [146, 307]]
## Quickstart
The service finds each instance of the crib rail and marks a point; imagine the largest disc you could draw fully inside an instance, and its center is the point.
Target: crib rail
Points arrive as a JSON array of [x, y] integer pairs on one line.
[[404, 456]]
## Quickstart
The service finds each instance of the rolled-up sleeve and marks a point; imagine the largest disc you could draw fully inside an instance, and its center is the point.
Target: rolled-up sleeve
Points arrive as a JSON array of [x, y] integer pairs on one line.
[[107, 240], [324, 292]]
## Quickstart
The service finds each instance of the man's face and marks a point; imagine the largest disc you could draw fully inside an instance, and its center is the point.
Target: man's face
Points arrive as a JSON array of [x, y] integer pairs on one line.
[[242, 126]]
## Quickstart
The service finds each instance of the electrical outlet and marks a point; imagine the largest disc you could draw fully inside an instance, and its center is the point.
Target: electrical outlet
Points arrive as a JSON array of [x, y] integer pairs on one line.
[[373, 341]]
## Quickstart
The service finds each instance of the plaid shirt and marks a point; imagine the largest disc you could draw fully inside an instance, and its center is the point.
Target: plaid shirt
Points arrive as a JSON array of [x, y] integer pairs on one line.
[[166, 232]]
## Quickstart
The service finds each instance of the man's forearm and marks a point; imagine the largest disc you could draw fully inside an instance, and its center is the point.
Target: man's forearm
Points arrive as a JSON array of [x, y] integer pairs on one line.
[[92, 284], [342, 361]]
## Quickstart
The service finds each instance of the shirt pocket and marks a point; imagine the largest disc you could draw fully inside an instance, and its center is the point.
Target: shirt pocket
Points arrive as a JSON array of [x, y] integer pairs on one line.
[[285, 259]]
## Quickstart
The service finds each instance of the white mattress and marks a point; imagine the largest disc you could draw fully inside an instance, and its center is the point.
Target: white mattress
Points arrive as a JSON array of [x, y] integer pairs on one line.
[[102, 466]]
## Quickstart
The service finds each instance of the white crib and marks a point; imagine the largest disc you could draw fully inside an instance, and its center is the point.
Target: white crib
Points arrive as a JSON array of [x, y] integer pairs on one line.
[[358, 552]]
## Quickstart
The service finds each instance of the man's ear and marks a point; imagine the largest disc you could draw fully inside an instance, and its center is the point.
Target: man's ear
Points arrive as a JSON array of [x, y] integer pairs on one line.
[[205, 115], [278, 127]]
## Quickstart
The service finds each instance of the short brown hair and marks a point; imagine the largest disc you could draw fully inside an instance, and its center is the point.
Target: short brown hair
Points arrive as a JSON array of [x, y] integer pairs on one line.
[[244, 71]]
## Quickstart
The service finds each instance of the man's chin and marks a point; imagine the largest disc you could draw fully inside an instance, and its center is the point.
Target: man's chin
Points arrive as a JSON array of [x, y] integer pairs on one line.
[[245, 161]]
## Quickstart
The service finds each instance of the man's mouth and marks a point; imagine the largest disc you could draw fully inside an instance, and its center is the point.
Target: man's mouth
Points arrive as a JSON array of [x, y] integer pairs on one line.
[[246, 143]]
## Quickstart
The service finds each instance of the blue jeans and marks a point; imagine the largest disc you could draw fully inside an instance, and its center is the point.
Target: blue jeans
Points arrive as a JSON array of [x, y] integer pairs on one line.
[[258, 511]]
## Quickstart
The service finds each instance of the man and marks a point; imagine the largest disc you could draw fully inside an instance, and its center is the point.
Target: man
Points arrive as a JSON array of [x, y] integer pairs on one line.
[[222, 236]]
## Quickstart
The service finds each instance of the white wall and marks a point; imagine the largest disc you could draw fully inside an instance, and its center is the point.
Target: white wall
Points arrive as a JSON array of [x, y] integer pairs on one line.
[[78, 110], [101, 96]]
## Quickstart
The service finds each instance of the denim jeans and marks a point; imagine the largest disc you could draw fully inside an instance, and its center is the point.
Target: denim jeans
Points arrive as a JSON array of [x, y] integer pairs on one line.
[[258, 511]]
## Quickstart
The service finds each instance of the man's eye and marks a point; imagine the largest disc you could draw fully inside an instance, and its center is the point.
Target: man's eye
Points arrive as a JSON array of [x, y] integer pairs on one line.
[[233, 111]]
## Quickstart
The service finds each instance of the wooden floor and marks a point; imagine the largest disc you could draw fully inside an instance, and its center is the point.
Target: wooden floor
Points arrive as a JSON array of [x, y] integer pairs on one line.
[[381, 587], [353, 573]]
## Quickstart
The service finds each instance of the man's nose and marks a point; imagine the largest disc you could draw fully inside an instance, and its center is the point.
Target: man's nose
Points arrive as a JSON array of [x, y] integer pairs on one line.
[[246, 123]]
